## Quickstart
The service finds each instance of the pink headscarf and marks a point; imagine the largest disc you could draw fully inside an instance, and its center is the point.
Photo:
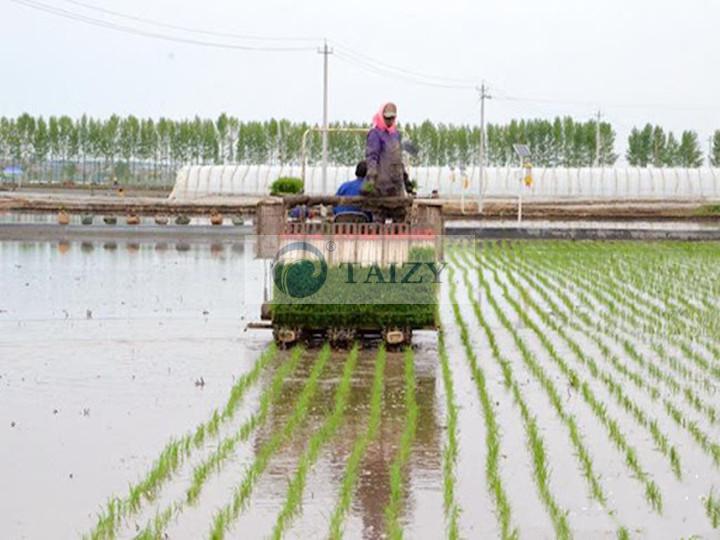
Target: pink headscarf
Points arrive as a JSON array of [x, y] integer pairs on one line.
[[379, 121]]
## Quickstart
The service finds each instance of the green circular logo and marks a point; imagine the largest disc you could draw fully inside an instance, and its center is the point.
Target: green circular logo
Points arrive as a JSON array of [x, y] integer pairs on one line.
[[303, 277]]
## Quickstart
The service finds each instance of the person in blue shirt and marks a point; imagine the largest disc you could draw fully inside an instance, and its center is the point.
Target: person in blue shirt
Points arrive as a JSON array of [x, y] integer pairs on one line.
[[353, 188]]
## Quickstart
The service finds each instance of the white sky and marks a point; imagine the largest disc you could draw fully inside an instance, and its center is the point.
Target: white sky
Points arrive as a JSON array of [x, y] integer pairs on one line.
[[638, 60]]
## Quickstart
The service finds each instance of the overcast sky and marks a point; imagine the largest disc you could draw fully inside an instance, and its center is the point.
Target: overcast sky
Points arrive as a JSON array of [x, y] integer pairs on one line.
[[637, 60]]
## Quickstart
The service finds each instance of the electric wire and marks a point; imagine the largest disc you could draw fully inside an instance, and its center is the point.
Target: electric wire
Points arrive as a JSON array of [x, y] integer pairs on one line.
[[193, 30], [343, 53], [39, 6]]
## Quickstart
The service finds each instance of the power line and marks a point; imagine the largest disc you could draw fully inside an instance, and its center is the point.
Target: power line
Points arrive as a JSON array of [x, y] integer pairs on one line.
[[39, 6], [379, 70], [343, 53], [185, 28], [390, 67]]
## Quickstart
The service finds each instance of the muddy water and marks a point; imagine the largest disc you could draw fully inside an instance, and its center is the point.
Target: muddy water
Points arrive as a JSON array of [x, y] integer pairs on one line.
[[108, 349], [104, 348], [421, 505]]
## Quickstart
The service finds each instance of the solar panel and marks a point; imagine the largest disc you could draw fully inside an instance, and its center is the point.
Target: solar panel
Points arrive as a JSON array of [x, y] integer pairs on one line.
[[522, 150]]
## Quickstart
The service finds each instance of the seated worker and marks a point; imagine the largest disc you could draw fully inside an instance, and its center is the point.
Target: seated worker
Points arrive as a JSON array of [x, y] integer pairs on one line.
[[353, 188]]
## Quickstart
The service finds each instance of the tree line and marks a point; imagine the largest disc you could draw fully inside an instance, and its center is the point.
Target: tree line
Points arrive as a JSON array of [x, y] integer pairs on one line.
[[653, 146], [92, 149]]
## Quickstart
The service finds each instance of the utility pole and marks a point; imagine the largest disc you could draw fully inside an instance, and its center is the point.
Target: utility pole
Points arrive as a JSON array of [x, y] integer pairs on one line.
[[483, 90], [325, 51], [597, 138]]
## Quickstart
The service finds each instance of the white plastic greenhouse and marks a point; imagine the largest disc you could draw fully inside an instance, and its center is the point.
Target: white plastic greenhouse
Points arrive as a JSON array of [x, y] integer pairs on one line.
[[498, 182]]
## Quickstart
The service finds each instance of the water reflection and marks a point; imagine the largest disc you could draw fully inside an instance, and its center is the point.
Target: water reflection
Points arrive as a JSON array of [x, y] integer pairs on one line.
[[124, 278], [87, 247], [373, 487]]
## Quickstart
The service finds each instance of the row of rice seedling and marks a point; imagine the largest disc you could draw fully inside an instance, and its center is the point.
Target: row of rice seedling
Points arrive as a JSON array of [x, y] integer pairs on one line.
[[392, 510], [175, 453], [321, 437], [655, 286], [665, 321], [612, 322], [492, 437], [553, 395], [535, 443], [687, 391], [450, 450], [700, 330], [614, 387], [616, 435], [226, 515], [225, 448], [712, 509], [654, 272], [637, 318], [352, 470], [702, 439]]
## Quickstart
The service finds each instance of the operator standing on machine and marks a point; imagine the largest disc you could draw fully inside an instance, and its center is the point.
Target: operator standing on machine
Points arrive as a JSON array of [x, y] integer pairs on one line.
[[383, 153]]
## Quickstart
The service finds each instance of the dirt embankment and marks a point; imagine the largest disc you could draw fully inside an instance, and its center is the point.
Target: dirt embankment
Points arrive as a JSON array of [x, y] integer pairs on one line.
[[114, 202], [611, 210]]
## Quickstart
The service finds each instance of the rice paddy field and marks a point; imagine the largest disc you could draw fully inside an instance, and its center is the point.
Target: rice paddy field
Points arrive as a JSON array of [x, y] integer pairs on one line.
[[571, 392]]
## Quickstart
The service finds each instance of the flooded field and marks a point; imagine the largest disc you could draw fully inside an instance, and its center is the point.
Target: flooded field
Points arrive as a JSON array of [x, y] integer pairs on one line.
[[572, 393]]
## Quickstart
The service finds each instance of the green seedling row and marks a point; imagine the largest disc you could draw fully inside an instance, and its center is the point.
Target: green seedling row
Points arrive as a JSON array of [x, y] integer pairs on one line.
[[712, 509], [175, 453], [225, 448], [352, 470], [450, 451], [492, 437], [613, 386], [392, 510], [536, 445], [708, 445], [620, 298], [556, 401], [226, 515], [318, 440], [705, 442]]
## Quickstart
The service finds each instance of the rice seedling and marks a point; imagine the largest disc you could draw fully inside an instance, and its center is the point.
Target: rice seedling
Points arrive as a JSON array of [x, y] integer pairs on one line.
[[450, 451], [546, 382], [226, 447], [619, 296], [687, 392], [658, 374], [225, 516], [534, 440], [712, 509], [392, 510], [352, 470], [702, 439], [614, 388], [665, 319], [492, 437], [314, 445], [651, 277], [175, 453]]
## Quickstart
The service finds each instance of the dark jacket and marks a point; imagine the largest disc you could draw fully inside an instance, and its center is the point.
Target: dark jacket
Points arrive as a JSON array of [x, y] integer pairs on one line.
[[383, 153]]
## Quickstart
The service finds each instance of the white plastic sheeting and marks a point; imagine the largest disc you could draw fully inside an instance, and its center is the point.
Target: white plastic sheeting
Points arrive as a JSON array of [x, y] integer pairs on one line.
[[501, 182]]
